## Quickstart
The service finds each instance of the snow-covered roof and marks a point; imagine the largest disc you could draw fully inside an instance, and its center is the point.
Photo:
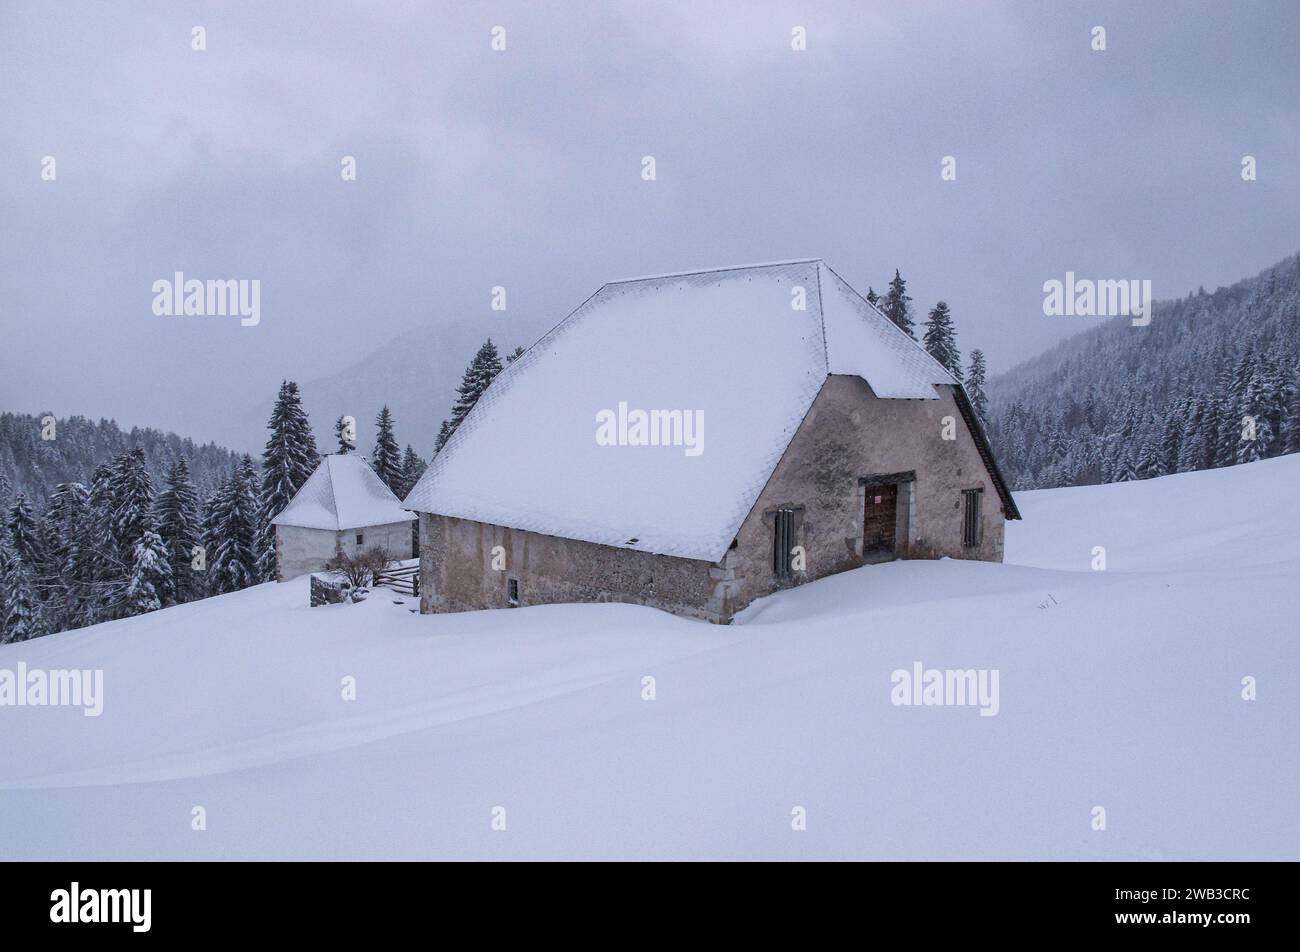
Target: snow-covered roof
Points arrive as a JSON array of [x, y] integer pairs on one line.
[[729, 343], [343, 493]]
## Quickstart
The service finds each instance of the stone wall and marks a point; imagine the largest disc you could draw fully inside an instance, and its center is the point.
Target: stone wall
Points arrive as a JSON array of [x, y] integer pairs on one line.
[[848, 435], [330, 588], [456, 572]]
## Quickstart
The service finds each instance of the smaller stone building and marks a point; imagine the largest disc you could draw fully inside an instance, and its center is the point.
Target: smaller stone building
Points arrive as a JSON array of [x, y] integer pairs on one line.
[[344, 507]]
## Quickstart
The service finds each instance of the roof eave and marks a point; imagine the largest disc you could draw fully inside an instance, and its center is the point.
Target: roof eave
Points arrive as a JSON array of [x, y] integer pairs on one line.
[[1009, 508]]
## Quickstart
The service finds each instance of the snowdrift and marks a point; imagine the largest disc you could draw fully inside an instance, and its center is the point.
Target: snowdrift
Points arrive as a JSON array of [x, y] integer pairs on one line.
[[1119, 689]]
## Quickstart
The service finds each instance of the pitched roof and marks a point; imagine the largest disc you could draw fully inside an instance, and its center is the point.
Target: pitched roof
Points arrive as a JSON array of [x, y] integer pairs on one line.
[[343, 493], [729, 343]]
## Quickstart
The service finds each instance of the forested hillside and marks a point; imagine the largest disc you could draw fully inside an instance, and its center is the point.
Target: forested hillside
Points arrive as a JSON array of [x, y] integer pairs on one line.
[[34, 466], [1210, 382]]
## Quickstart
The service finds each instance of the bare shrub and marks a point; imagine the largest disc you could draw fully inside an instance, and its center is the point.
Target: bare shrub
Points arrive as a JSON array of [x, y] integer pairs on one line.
[[360, 569]]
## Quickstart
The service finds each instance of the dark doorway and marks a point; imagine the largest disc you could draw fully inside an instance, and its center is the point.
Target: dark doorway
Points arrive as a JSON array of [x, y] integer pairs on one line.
[[880, 520]]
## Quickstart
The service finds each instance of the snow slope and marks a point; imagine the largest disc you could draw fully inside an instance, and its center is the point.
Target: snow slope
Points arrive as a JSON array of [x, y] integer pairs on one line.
[[1118, 689]]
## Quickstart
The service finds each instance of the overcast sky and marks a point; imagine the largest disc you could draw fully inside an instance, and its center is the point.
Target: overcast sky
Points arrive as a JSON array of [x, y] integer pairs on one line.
[[522, 168]]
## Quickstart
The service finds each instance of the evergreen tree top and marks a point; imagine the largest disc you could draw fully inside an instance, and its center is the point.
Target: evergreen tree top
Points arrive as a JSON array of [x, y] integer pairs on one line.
[[385, 460], [897, 305], [346, 444], [940, 339]]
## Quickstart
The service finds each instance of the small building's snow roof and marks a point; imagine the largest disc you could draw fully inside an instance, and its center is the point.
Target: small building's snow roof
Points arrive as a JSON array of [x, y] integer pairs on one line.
[[729, 343], [343, 493]]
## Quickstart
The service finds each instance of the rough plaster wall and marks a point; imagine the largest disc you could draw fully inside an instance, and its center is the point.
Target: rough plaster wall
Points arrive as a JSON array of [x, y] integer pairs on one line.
[[299, 551], [849, 433], [457, 575], [395, 537]]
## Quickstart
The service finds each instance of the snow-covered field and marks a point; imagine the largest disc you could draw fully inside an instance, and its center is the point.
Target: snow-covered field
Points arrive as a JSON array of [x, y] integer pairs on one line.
[[1118, 689]]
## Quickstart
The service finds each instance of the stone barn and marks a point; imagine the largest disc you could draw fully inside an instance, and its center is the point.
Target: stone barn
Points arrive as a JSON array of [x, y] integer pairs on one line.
[[695, 441], [342, 507]]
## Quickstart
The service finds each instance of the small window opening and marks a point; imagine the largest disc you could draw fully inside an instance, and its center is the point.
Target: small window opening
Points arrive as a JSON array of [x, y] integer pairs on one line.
[[970, 523], [361, 538], [512, 591], [782, 542]]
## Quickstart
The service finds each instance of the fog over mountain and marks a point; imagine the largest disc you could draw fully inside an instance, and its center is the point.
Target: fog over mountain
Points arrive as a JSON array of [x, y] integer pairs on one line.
[[521, 168], [415, 374]]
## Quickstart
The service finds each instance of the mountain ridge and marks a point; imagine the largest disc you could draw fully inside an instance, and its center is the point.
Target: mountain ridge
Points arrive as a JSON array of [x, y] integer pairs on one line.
[[1119, 402]]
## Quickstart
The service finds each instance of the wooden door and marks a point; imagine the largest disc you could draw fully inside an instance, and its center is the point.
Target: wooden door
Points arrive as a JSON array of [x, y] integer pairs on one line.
[[881, 517]]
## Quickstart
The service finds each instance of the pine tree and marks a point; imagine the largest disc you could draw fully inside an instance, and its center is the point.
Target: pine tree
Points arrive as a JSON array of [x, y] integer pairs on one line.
[[478, 375], [60, 581], [1108, 465], [1233, 408], [514, 355], [1291, 428], [1150, 462], [131, 502], [872, 297], [346, 443], [975, 385], [1172, 436], [99, 568], [236, 517], [19, 612], [1092, 409], [412, 470], [1057, 446], [386, 457], [1124, 469], [178, 519], [206, 579], [1251, 450], [1256, 439], [289, 458], [24, 535], [7, 564], [444, 434], [940, 339], [898, 305], [1196, 441], [1225, 428], [1254, 404], [1278, 387], [150, 575]]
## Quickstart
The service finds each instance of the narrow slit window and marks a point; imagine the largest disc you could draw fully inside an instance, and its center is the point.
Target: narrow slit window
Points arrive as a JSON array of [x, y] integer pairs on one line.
[[970, 525], [782, 542], [512, 591], [361, 538]]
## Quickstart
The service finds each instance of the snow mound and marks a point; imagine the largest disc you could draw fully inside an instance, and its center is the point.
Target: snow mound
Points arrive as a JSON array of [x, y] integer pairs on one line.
[[1211, 520]]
